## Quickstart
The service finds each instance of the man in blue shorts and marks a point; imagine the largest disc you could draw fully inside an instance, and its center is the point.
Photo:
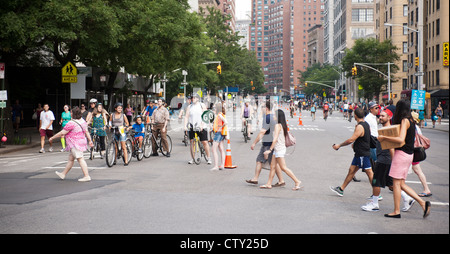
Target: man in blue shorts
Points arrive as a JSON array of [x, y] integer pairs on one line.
[[361, 147]]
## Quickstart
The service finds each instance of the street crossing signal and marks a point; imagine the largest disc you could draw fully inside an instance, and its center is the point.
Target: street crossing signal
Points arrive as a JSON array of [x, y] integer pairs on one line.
[[416, 61], [219, 69]]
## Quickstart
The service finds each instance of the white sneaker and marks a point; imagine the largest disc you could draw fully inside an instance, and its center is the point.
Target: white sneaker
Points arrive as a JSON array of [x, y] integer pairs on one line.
[[62, 150], [370, 207], [50, 149], [209, 161], [61, 175], [84, 179], [407, 204], [42, 150], [379, 197], [191, 161]]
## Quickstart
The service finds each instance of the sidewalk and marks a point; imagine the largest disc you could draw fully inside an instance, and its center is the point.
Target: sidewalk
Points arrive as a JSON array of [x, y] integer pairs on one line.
[[33, 140], [444, 126]]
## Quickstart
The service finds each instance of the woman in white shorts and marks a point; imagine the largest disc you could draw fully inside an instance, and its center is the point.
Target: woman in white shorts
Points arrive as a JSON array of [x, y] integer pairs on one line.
[[76, 132], [279, 150]]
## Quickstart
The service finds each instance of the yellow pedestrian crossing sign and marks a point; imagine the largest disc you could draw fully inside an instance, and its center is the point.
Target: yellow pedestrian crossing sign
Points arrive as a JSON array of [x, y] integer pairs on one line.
[[69, 73]]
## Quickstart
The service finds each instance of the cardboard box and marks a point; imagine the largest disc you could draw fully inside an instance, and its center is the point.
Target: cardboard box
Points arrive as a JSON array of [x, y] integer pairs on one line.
[[391, 131]]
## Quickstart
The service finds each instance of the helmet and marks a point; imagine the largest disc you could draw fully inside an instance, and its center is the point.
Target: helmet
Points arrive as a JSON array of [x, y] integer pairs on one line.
[[93, 100]]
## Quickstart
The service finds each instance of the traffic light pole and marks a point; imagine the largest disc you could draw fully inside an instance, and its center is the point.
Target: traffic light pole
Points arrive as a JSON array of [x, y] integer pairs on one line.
[[388, 76]]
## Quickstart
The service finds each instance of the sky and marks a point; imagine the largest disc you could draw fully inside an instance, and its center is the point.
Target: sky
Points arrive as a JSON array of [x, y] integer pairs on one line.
[[242, 6]]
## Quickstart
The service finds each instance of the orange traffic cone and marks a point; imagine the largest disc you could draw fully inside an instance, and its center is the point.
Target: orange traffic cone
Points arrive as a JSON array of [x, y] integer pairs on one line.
[[300, 122], [228, 162]]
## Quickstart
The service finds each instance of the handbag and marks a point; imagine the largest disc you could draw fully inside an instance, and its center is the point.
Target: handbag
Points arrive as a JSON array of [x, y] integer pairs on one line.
[[290, 140], [420, 144], [422, 141], [419, 154]]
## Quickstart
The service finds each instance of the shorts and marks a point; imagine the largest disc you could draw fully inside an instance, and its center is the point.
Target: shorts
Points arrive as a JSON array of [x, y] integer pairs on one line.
[[400, 164], [260, 157], [345, 110], [76, 153], [280, 153], [362, 162], [48, 133], [203, 135], [121, 138], [136, 138], [218, 137], [381, 176], [373, 154]]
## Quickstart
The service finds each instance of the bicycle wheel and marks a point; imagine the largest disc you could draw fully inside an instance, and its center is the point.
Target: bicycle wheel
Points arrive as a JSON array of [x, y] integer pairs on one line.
[[245, 133], [169, 144], [147, 146], [129, 147], [211, 137], [195, 152], [139, 155], [110, 153]]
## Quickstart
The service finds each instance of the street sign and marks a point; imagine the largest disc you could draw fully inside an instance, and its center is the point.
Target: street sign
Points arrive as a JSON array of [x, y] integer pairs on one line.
[[208, 116], [445, 52], [69, 73], [418, 99]]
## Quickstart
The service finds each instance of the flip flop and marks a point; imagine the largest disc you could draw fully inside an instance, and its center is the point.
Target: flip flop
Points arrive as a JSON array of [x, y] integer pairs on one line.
[[252, 182], [426, 212], [297, 188], [279, 184], [423, 194], [265, 187]]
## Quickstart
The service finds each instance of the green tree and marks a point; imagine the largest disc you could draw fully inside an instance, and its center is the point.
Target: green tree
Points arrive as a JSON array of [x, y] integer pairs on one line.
[[318, 73], [371, 51]]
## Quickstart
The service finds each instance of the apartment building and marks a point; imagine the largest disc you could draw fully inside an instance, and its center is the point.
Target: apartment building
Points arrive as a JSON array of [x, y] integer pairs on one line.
[[315, 45], [420, 29], [344, 22], [279, 37]]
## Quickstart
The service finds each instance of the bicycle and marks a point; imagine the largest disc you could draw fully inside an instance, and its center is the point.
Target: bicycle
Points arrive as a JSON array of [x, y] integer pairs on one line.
[[197, 149], [135, 147], [97, 144], [158, 141], [114, 149], [185, 138], [245, 130]]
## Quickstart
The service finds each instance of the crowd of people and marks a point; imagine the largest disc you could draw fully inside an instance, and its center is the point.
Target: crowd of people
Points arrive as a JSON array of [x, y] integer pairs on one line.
[[384, 168]]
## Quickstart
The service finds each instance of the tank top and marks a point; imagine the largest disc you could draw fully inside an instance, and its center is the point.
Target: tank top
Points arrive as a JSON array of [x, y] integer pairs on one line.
[[117, 121], [361, 146], [281, 141], [408, 147], [195, 115]]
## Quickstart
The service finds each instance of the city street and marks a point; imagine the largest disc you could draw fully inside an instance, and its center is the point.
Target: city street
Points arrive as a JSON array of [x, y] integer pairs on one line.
[[168, 196]]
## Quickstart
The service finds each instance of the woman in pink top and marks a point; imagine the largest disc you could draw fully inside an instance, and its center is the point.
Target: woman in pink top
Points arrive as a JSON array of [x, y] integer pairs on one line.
[[76, 132]]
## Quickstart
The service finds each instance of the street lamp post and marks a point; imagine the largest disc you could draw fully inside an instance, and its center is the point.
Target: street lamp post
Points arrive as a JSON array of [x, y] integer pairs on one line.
[[419, 53]]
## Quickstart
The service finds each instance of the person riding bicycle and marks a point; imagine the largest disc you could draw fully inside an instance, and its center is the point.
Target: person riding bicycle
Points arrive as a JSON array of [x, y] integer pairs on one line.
[[326, 107], [139, 129], [193, 119], [118, 119], [160, 118], [99, 120], [247, 114]]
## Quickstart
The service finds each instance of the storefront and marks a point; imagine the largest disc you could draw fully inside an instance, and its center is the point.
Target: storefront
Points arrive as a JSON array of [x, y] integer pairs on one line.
[[440, 95]]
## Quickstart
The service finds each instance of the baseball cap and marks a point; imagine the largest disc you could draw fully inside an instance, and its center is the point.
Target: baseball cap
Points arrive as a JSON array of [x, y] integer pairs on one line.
[[372, 104]]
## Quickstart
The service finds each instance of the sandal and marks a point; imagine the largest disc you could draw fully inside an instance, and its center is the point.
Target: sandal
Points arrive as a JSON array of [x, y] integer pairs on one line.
[[423, 194], [297, 187], [265, 187], [279, 184], [251, 181]]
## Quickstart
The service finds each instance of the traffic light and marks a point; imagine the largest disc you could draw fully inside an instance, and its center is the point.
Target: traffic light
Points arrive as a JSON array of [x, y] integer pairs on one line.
[[306, 84], [219, 69], [416, 62], [251, 83], [354, 71]]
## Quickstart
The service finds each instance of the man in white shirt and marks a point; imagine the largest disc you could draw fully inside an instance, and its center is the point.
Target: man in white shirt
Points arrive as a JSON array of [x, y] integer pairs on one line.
[[46, 127], [193, 122], [372, 120], [345, 109]]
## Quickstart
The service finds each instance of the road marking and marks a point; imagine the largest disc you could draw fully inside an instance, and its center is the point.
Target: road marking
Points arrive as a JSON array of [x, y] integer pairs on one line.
[[416, 182], [73, 167], [439, 203]]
